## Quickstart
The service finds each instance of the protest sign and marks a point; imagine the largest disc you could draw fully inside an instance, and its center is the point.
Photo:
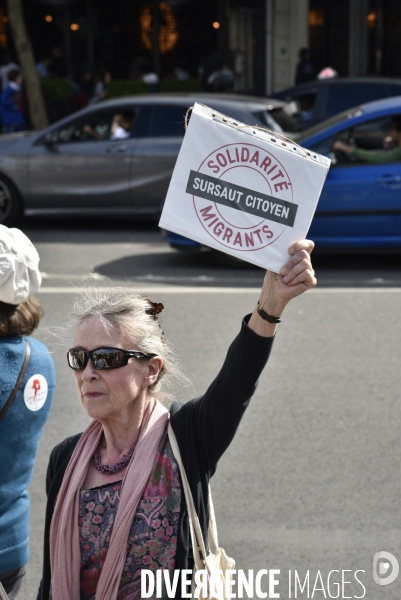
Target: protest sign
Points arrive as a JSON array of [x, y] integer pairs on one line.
[[242, 190]]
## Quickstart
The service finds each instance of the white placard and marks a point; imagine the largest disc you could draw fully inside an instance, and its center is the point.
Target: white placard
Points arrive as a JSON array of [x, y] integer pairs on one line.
[[241, 190]]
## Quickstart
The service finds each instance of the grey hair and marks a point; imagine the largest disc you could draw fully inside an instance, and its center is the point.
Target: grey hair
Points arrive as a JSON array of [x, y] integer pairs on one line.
[[125, 311]]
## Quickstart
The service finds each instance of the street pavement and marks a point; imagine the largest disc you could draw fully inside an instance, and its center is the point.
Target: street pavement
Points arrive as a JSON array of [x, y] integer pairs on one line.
[[311, 480]]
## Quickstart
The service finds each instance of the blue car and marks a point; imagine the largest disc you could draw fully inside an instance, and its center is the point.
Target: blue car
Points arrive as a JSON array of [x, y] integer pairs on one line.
[[360, 205]]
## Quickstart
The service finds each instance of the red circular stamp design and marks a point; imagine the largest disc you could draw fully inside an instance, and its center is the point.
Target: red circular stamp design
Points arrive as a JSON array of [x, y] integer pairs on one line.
[[254, 168]]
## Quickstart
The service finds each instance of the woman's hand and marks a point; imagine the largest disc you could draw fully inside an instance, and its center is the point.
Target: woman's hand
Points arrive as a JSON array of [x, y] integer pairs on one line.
[[296, 277]]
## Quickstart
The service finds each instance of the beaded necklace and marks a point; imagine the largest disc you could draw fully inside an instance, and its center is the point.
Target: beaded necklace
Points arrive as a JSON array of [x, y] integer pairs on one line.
[[111, 469]]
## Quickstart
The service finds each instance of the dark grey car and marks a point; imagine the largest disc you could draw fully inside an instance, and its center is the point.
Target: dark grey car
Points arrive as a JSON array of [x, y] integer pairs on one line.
[[317, 101], [64, 171]]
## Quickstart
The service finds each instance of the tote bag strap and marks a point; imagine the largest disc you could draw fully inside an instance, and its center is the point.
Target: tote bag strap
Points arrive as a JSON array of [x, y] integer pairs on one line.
[[3, 595], [198, 544], [212, 534], [20, 378]]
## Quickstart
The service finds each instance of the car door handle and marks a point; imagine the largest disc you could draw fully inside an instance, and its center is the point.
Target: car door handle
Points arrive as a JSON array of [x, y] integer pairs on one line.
[[389, 179], [116, 149]]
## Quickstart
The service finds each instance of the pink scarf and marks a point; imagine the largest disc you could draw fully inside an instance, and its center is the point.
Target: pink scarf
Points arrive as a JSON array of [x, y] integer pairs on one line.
[[65, 553]]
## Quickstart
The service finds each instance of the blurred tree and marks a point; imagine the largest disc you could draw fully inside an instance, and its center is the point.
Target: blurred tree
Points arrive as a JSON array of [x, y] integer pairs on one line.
[[26, 59]]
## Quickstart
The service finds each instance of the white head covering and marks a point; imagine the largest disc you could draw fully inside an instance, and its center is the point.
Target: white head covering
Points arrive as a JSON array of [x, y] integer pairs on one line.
[[327, 73], [151, 78], [19, 266]]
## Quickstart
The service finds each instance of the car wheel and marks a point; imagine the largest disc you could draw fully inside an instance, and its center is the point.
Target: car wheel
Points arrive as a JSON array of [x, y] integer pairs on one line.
[[10, 202]]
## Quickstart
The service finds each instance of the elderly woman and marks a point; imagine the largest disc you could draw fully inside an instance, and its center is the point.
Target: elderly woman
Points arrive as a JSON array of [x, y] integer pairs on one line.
[[114, 492]]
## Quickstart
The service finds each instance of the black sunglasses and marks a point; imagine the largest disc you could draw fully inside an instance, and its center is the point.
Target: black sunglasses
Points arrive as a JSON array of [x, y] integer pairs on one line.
[[102, 358]]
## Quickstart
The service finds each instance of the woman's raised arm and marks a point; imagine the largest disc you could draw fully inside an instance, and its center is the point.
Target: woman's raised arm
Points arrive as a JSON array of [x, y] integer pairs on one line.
[[296, 277]]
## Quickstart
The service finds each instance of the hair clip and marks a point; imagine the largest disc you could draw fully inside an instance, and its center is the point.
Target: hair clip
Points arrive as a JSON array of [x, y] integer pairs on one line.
[[154, 308]]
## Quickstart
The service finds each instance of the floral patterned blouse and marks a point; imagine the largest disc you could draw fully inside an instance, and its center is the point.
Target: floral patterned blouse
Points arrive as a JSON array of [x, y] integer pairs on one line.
[[152, 539]]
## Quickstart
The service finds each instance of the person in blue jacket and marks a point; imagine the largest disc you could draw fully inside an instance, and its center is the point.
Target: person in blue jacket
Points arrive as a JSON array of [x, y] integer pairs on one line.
[[21, 421], [10, 103]]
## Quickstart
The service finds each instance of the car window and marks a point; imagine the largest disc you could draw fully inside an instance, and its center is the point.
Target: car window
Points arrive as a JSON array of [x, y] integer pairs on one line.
[[299, 112], [371, 135], [375, 136], [305, 104], [237, 112], [69, 132], [333, 121], [111, 124], [325, 146], [263, 118], [141, 124], [345, 95], [167, 121], [286, 121]]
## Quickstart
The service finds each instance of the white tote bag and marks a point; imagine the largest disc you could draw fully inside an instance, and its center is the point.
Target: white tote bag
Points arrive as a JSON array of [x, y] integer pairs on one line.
[[213, 560]]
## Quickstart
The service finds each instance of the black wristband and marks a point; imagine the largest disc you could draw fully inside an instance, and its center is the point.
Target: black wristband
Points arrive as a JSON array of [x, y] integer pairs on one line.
[[262, 313]]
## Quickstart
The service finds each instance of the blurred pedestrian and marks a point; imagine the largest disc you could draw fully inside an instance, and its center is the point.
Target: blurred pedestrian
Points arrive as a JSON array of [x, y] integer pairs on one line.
[[100, 83], [209, 65], [150, 79], [43, 67], [222, 80], [58, 66], [11, 103], [9, 63], [180, 73], [305, 70], [27, 381], [87, 87]]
